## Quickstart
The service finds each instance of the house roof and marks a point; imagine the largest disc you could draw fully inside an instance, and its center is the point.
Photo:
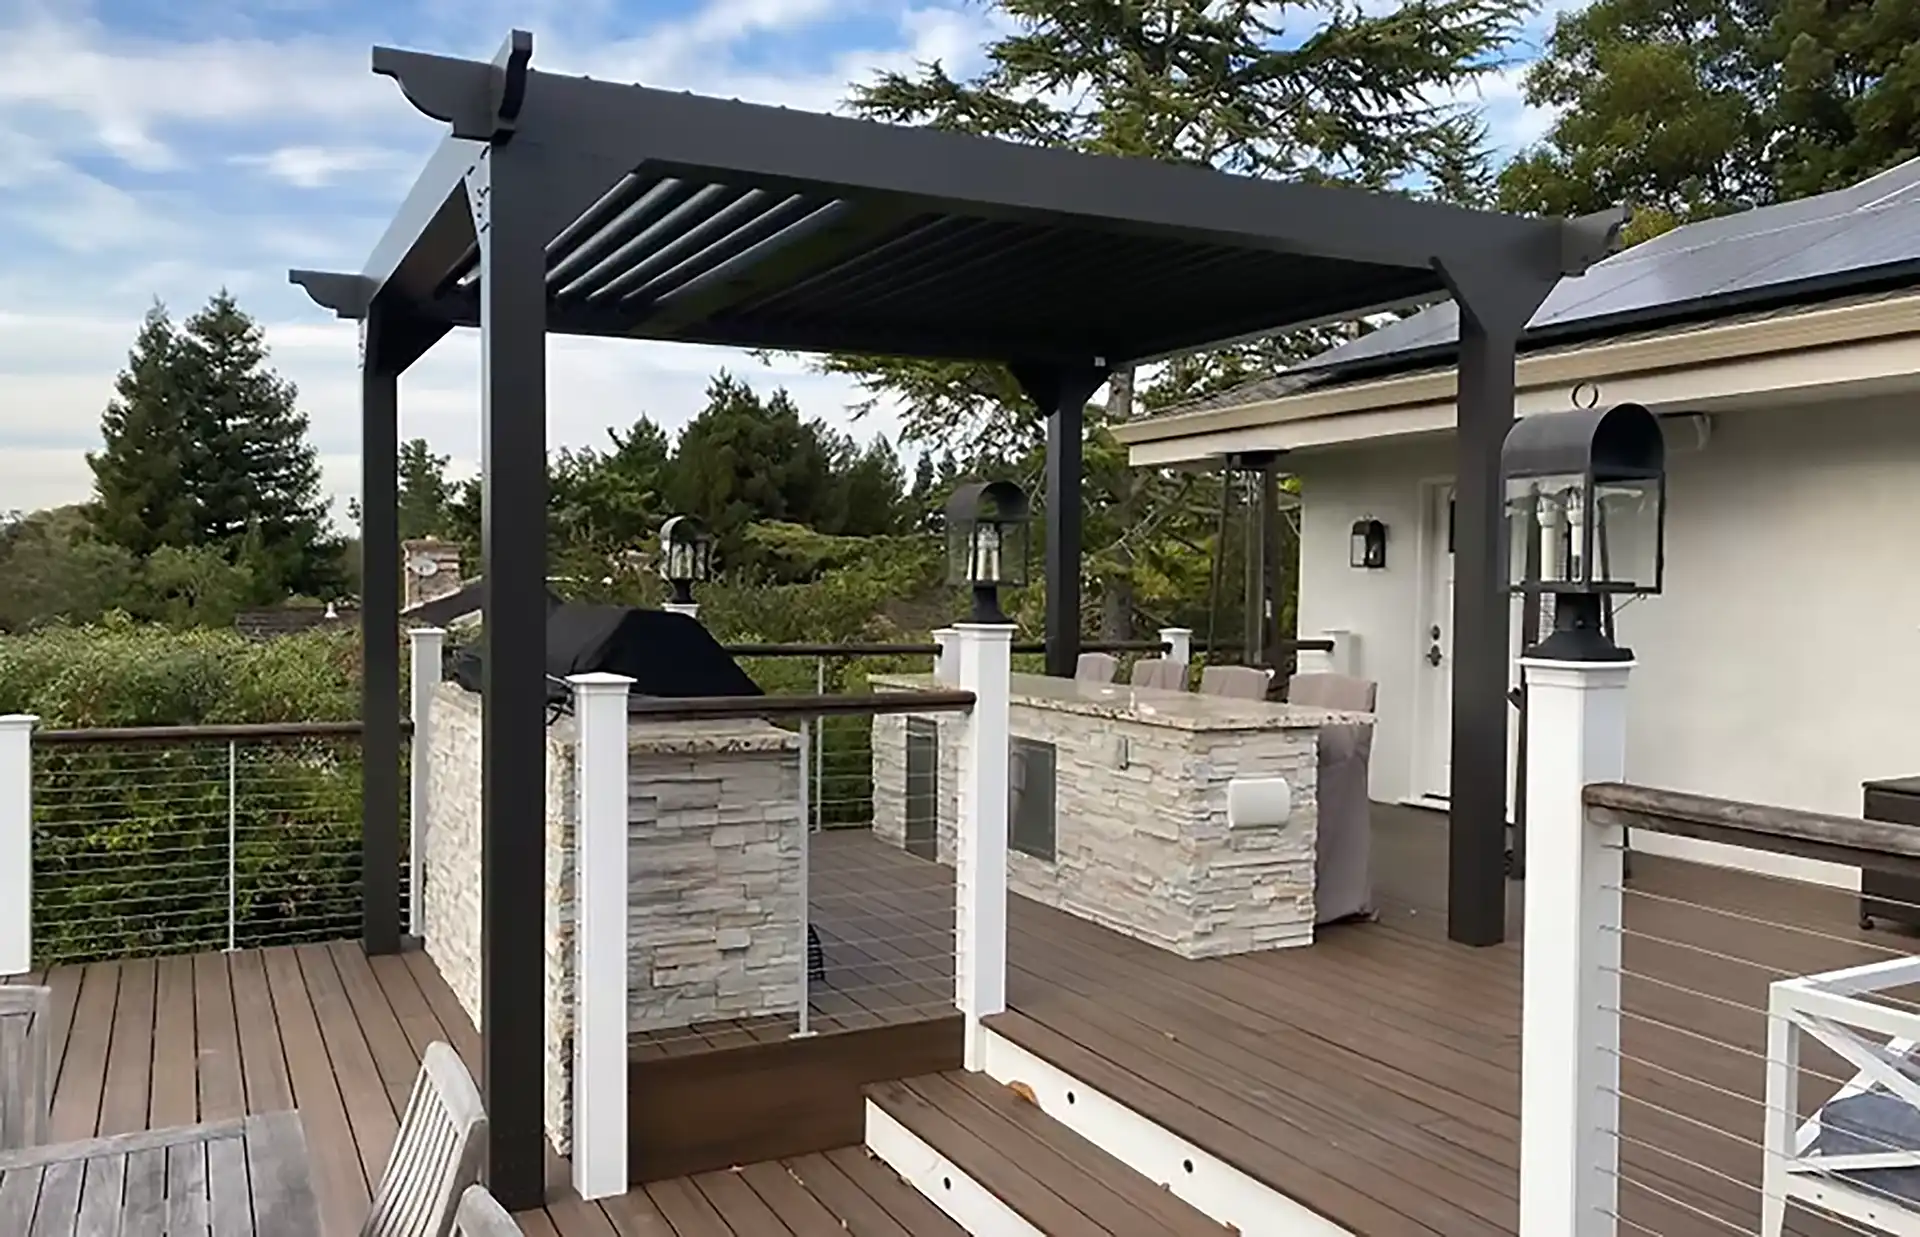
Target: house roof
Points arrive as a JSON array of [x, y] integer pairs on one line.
[[668, 215], [1862, 240]]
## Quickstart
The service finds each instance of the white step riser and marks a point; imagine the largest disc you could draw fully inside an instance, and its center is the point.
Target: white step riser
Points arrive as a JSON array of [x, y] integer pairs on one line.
[[968, 1203], [1207, 1184]]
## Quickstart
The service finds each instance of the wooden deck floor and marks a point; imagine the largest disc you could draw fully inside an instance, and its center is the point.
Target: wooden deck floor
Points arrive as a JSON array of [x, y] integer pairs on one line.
[[1372, 1076], [155, 1043]]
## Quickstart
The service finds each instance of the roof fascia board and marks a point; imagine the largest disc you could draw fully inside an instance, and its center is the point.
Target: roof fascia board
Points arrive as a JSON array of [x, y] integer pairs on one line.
[[1815, 328], [1843, 370]]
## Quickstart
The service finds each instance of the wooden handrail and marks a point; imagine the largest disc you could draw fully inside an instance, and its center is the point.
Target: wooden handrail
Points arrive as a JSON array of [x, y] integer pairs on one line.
[[769, 708], [1845, 840], [249, 732]]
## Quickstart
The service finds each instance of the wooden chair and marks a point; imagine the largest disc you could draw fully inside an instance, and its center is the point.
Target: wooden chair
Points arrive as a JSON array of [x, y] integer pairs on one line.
[[481, 1215], [26, 1065], [1096, 667], [436, 1155], [1239, 682]]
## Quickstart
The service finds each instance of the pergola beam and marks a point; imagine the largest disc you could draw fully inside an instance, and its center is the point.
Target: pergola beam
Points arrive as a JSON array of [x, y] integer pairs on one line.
[[939, 171]]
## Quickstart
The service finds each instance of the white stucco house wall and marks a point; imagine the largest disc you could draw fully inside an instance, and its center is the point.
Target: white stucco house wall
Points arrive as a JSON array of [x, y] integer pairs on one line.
[[1781, 664]]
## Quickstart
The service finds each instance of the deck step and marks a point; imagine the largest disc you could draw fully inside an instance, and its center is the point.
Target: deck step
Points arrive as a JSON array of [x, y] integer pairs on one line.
[[988, 1157]]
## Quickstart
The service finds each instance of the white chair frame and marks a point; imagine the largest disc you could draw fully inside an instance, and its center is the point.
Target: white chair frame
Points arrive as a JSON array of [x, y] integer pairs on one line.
[[1833, 1008]]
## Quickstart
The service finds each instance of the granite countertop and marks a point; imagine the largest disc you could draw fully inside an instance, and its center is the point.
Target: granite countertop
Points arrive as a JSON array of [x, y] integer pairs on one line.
[[1151, 706]]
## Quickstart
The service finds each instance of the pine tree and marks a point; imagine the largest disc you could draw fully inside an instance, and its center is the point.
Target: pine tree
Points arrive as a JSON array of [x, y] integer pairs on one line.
[[143, 498], [424, 492], [259, 472], [206, 448]]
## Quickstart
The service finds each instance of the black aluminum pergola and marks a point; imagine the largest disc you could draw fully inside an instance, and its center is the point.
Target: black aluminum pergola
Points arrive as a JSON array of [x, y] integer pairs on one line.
[[560, 204]]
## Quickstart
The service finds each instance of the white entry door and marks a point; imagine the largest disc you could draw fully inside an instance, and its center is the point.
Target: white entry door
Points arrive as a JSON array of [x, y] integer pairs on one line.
[[1433, 777], [1435, 774]]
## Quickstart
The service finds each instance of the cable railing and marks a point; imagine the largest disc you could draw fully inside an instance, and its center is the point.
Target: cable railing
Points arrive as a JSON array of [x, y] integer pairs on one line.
[[1759, 1049], [154, 840]]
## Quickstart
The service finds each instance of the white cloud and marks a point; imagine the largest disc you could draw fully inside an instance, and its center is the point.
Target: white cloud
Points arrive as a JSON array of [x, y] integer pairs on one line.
[[72, 90], [314, 167]]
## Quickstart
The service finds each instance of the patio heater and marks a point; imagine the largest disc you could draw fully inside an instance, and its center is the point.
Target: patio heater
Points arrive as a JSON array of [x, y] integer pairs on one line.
[[987, 543], [686, 559], [1586, 520]]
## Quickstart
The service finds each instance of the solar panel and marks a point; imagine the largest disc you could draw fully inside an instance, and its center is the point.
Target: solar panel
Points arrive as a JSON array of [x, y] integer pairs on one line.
[[1867, 230]]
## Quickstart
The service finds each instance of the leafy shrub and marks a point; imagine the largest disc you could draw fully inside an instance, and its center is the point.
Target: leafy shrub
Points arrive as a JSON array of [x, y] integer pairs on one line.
[[131, 842]]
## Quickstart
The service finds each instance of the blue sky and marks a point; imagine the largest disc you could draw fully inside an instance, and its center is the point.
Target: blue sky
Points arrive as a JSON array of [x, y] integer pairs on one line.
[[163, 150]]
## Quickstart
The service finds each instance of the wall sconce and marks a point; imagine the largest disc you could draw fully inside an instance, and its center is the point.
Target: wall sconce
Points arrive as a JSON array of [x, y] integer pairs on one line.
[[1368, 548]]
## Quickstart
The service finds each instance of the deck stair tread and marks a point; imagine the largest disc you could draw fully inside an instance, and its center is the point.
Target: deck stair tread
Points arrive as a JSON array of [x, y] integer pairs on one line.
[[1055, 1179]]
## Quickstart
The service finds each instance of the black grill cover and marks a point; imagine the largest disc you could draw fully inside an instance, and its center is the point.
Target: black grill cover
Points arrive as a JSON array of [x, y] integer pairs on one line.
[[665, 654]]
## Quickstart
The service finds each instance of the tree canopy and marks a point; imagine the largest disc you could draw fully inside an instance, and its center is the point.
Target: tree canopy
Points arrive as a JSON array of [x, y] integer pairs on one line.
[[1688, 109], [204, 447]]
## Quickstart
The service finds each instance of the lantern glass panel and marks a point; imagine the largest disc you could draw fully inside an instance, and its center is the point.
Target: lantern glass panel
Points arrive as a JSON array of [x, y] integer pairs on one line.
[[988, 552], [1546, 544], [1626, 535], [1357, 547]]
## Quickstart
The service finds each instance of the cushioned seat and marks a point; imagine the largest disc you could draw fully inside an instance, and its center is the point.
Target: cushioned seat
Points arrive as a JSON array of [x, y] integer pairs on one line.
[[1343, 859]]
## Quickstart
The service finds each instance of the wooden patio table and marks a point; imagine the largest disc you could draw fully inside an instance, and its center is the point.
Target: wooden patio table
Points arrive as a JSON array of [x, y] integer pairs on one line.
[[246, 1177]]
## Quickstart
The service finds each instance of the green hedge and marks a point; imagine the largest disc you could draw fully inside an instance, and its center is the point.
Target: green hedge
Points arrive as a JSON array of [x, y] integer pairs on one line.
[[131, 842]]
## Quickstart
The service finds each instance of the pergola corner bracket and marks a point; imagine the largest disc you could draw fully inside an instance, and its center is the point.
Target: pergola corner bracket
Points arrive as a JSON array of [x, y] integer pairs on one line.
[[348, 296], [1589, 238], [481, 101]]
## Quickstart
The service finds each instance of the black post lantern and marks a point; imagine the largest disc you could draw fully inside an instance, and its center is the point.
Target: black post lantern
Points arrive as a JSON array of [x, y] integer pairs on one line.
[[987, 543], [1586, 496], [686, 556], [1368, 547]]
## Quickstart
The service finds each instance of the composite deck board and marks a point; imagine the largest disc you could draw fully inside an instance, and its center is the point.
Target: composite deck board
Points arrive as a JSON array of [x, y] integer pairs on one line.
[[1005, 1138], [323, 1028], [1372, 1076]]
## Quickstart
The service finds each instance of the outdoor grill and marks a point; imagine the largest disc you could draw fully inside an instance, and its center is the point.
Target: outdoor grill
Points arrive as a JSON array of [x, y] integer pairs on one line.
[[668, 656]]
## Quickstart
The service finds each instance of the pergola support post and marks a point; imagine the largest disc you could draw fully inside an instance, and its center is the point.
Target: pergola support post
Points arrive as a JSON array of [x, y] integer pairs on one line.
[[379, 636], [1496, 303], [1061, 393], [513, 386]]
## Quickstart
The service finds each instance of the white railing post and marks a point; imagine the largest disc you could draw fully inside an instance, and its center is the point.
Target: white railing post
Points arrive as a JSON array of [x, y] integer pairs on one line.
[[980, 859], [16, 843], [600, 935], [946, 663], [1570, 1021], [427, 644], [1178, 642]]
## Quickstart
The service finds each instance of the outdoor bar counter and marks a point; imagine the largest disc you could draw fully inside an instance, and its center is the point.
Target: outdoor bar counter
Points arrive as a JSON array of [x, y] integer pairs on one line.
[[1119, 807]]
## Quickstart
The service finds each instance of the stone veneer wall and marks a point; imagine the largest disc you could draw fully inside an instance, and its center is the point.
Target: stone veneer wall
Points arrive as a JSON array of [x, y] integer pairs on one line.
[[1145, 849], [714, 921]]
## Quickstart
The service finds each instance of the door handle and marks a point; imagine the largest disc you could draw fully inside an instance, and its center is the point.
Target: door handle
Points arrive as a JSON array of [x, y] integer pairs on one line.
[[1433, 654]]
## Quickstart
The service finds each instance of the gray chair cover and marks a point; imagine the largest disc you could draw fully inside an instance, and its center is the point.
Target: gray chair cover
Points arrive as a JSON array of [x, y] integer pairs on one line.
[[1343, 862], [1239, 682], [1096, 667], [1159, 672]]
